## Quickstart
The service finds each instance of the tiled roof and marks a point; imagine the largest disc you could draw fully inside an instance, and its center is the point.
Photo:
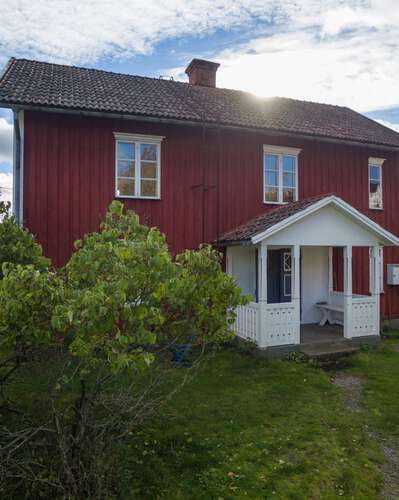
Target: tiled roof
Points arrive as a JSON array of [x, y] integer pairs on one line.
[[265, 221], [33, 83]]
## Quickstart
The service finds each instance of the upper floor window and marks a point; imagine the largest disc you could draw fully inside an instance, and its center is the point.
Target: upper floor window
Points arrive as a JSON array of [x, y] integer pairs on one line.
[[280, 174], [137, 166], [375, 182]]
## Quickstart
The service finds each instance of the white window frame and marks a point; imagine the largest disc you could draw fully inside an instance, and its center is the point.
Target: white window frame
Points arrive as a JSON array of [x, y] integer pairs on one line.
[[138, 140], [280, 151], [376, 162]]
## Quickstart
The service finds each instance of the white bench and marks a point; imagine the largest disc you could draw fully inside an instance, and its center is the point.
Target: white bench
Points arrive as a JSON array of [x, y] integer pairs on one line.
[[327, 311]]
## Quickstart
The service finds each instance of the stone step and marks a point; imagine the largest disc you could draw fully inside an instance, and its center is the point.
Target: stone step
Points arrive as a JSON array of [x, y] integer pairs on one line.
[[333, 350]]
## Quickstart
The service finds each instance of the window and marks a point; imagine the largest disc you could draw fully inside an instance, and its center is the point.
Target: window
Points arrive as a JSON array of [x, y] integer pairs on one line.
[[280, 174], [375, 182], [137, 164]]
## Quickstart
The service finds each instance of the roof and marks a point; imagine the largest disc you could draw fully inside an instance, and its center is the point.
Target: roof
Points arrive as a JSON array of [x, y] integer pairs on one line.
[[33, 83], [279, 218], [245, 232]]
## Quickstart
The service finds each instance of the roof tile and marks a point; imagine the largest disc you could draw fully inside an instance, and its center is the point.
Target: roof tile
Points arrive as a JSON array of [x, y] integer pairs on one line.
[[34, 83], [246, 231]]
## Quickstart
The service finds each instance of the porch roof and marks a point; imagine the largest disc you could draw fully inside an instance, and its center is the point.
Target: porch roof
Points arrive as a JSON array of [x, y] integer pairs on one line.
[[277, 219]]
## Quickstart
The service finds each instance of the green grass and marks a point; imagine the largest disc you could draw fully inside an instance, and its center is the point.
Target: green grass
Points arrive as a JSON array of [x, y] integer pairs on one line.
[[248, 428], [380, 369]]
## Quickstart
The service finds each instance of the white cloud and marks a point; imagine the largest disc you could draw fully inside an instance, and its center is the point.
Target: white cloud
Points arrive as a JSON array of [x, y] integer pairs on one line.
[[76, 32], [5, 187], [360, 71], [340, 51], [6, 129]]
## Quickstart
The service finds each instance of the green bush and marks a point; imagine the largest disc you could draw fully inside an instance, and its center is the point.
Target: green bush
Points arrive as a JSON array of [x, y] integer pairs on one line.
[[17, 245], [112, 315]]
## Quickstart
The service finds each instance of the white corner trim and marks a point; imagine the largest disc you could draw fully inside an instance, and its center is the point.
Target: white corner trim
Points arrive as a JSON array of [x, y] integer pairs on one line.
[[155, 139], [376, 161], [278, 150], [387, 236]]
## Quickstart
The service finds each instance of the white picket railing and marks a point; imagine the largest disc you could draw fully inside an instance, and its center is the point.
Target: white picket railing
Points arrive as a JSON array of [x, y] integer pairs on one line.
[[365, 318], [282, 324], [246, 325]]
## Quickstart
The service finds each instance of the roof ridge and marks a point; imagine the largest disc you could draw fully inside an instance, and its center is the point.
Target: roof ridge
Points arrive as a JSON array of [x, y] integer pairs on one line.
[[186, 84], [97, 70]]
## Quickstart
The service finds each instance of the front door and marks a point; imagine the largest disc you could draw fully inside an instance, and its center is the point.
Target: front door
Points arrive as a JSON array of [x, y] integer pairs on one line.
[[279, 275]]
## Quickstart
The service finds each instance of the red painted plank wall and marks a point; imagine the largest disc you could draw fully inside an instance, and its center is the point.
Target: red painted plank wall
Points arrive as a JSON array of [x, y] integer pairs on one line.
[[211, 181]]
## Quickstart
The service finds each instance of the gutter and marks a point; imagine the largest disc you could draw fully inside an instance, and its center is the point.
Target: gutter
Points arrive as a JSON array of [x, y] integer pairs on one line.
[[201, 123], [18, 166]]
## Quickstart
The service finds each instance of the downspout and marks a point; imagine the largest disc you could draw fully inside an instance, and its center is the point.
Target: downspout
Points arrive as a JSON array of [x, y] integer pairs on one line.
[[17, 195]]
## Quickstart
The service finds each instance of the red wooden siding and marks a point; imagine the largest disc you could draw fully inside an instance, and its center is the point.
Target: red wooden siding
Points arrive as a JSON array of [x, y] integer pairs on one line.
[[211, 181]]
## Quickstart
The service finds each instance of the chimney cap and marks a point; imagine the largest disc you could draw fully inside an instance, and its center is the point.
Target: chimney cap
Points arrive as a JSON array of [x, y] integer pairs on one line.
[[201, 63]]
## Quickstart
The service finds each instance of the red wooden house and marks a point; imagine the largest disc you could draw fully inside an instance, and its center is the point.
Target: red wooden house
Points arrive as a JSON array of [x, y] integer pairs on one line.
[[301, 196]]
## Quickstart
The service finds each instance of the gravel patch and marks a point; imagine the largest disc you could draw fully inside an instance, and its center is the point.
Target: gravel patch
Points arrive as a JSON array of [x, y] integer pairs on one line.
[[352, 387]]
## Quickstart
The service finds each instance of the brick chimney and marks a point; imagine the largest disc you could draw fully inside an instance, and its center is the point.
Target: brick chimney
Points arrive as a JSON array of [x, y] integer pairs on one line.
[[201, 72]]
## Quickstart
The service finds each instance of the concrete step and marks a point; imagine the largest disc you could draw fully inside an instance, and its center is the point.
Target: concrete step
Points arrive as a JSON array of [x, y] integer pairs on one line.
[[333, 350]]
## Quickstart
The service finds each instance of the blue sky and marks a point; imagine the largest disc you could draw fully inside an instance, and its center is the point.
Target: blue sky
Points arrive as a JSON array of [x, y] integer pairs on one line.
[[343, 52]]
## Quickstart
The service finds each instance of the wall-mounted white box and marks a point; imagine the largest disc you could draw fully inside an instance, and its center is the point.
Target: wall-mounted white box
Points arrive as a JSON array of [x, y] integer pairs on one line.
[[393, 274]]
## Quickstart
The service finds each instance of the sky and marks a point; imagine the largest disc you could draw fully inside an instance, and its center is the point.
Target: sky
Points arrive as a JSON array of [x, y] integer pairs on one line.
[[343, 52]]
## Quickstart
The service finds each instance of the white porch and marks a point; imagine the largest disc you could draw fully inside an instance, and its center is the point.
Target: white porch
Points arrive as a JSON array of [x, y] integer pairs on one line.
[[307, 294]]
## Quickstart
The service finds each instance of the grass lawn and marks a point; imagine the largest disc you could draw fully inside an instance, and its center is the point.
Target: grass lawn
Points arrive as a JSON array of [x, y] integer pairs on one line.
[[246, 427], [249, 428]]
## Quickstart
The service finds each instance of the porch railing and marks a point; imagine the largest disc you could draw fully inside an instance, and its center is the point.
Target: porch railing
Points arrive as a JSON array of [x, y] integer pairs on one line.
[[365, 317], [281, 324], [246, 325]]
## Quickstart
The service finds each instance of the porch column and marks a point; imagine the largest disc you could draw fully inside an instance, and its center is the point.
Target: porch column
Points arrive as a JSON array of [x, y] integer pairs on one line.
[[375, 289], [296, 293], [348, 292], [262, 273], [330, 270]]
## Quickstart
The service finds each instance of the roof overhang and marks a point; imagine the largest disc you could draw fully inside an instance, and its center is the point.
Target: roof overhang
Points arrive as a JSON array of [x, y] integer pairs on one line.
[[197, 123], [384, 236]]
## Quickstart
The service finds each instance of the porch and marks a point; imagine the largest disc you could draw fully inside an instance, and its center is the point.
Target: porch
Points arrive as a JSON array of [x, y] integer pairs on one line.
[[287, 268]]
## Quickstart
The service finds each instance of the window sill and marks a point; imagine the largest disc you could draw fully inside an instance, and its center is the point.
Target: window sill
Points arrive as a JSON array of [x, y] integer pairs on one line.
[[122, 197], [278, 202], [376, 208]]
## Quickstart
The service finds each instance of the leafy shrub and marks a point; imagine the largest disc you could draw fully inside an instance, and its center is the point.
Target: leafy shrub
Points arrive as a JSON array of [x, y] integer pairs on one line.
[[17, 245], [112, 313]]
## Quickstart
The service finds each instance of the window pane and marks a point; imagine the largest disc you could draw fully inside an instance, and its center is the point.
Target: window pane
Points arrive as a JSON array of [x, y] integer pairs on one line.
[[148, 170], [374, 173], [271, 193], [126, 150], [289, 164], [288, 179], [148, 188], [375, 195], [271, 162], [288, 194], [125, 187], [125, 168], [148, 152], [271, 178]]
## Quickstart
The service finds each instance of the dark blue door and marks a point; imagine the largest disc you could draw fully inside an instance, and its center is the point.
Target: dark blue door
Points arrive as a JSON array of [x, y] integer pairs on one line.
[[279, 272]]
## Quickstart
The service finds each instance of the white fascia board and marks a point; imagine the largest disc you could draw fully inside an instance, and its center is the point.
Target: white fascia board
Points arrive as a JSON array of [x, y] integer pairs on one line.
[[387, 237], [376, 161], [280, 150], [122, 136]]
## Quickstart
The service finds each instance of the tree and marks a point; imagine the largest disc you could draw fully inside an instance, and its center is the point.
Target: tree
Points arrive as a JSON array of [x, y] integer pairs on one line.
[[112, 314], [17, 245]]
